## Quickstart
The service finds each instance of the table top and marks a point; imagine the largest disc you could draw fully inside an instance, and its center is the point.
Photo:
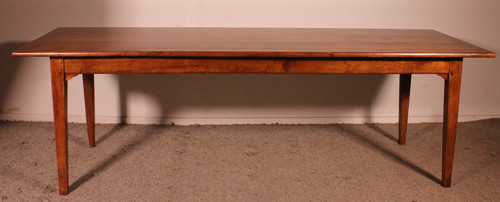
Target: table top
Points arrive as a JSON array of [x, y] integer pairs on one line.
[[249, 42]]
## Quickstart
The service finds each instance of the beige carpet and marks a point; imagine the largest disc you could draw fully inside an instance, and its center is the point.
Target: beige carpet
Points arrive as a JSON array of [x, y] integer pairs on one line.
[[250, 163]]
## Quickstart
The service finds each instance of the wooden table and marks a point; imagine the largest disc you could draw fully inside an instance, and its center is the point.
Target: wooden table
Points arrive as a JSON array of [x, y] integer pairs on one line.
[[90, 51]]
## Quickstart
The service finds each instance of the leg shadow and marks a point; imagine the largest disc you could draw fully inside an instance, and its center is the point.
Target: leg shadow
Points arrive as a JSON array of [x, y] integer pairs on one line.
[[347, 131], [116, 156], [382, 132]]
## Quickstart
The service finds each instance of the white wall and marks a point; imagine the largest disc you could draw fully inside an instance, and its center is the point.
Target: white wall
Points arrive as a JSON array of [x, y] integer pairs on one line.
[[25, 92]]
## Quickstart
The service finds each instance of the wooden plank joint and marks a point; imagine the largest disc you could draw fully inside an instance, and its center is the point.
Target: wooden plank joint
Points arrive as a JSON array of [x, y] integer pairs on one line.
[[70, 76], [444, 76]]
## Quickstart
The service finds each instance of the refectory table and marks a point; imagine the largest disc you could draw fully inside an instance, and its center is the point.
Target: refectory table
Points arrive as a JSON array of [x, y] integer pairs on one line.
[[90, 51]]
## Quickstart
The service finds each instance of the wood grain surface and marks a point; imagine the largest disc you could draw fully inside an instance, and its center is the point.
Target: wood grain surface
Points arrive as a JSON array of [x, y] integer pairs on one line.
[[249, 42], [249, 66]]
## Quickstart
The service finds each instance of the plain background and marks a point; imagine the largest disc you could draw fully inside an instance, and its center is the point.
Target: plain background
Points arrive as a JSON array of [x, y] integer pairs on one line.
[[25, 92]]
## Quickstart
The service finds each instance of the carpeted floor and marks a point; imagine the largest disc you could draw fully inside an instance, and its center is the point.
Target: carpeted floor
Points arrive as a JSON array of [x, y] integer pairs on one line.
[[250, 163]]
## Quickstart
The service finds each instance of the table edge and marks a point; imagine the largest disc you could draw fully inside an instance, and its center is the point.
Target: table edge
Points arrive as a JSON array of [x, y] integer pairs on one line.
[[231, 54]]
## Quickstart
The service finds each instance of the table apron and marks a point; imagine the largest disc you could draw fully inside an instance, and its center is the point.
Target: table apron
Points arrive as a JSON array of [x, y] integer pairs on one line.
[[253, 65]]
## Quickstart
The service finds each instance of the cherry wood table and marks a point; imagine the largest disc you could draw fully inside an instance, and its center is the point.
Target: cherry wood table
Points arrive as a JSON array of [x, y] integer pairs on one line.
[[90, 51]]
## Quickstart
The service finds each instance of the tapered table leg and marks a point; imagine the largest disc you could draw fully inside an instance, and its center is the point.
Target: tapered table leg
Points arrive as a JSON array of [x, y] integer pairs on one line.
[[404, 103], [88, 90], [59, 100], [451, 100]]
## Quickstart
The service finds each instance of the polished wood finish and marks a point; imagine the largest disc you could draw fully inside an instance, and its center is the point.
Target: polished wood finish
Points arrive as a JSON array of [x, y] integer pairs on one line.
[[256, 65], [88, 91], [90, 51], [451, 101], [59, 100], [249, 42], [404, 103]]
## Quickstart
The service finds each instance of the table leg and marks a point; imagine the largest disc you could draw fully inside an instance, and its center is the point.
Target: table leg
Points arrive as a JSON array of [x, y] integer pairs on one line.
[[59, 100], [404, 102], [88, 90], [451, 100]]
